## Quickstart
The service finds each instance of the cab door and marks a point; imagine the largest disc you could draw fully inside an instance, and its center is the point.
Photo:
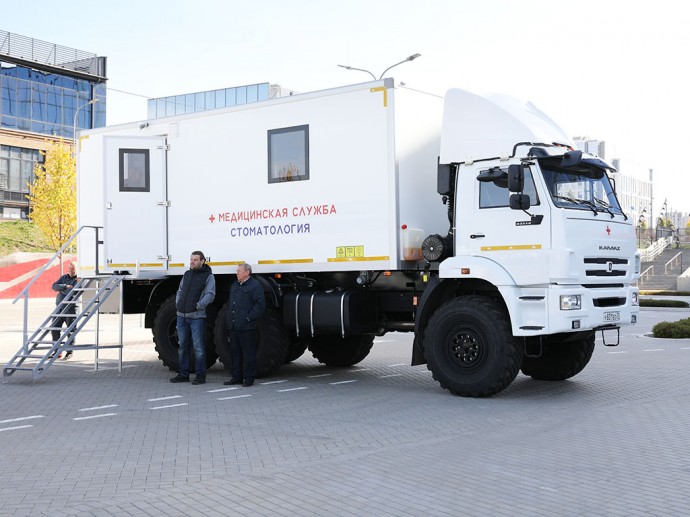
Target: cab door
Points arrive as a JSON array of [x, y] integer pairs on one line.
[[136, 204], [516, 240]]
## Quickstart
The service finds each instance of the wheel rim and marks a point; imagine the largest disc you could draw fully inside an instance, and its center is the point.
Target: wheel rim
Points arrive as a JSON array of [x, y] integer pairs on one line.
[[466, 349]]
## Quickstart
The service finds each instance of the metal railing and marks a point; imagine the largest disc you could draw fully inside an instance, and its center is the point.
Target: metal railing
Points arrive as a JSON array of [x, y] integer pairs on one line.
[[677, 258], [25, 292], [654, 250], [42, 52], [646, 273]]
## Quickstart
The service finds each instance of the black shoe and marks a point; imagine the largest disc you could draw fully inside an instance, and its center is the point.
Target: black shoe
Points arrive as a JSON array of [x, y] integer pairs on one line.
[[68, 355], [246, 384], [179, 378], [199, 380], [232, 381]]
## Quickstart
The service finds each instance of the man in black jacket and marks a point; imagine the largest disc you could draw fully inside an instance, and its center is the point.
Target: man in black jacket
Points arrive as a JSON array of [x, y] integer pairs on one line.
[[63, 286], [245, 306], [196, 292]]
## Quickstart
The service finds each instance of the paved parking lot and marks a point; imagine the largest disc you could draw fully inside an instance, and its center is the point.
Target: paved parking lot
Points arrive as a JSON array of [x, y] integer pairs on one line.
[[381, 438]]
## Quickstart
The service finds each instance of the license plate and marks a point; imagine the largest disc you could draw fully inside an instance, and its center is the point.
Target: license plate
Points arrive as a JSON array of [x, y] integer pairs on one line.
[[612, 316]]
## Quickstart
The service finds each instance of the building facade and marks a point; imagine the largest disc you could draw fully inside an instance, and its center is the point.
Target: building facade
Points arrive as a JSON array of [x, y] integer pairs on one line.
[[47, 92]]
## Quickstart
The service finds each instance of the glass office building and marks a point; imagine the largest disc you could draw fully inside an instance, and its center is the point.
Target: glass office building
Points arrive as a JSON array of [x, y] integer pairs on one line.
[[46, 90], [208, 100]]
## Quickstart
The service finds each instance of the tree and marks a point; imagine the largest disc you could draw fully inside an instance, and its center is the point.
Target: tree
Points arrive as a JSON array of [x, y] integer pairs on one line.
[[53, 196]]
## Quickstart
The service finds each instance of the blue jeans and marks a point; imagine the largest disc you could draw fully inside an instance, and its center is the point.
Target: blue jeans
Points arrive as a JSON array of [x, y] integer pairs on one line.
[[194, 328]]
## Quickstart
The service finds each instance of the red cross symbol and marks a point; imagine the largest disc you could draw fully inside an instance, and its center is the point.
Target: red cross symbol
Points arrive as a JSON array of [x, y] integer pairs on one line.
[[212, 218], [608, 230]]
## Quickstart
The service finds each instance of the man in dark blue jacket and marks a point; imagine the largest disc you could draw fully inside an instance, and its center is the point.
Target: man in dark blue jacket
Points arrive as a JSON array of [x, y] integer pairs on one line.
[[245, 306], [196, 292], [63, 286]]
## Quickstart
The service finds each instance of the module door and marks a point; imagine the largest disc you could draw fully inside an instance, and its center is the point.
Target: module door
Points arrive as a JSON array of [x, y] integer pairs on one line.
[[136, 206]]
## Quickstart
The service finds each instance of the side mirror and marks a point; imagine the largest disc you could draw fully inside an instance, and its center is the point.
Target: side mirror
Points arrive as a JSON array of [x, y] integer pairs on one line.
[[519, 202], [516, 178], [443, 186]]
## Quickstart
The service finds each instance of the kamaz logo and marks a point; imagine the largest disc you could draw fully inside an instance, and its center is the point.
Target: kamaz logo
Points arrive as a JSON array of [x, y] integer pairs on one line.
[[609, 248]]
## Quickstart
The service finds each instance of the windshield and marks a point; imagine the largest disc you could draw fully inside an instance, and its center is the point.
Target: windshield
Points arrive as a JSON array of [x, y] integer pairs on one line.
[[580, 188]]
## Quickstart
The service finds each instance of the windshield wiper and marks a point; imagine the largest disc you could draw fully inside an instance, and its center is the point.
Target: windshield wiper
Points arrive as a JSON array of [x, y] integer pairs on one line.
[[604, 205], [588, 204]]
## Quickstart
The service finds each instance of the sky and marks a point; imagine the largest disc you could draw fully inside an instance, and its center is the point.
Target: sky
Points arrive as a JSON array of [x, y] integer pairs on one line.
[[611, 70]]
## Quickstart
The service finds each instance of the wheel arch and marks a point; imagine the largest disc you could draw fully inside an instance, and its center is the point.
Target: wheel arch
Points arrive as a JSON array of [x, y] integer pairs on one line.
[[161, 292], [437, 292]]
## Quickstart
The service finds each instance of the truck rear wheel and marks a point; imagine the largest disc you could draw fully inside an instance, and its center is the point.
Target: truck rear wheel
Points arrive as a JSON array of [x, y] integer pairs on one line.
[[333, 350], [165, 336], [562, 356], [272, 343], [469, 347]]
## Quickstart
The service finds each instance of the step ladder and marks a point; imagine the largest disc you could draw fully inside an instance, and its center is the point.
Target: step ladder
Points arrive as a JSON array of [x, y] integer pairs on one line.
[[39, 351]]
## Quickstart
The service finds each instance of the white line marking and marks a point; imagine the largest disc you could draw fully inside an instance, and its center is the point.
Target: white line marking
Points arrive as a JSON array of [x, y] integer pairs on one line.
[[317, 376], [272, 382], [399, 364], [685, 348], [342, 382], [654, 350], [235, 397], [171, 405], [292, 389], [619, 352], [97, 407], [17, 427], [222, 389], [20, 419], [392, 375], [361, 369], [384, 340], [165, 398], [94, 416]]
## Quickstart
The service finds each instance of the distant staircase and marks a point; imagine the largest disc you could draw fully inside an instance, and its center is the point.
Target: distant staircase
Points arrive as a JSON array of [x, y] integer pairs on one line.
[[661, 273]]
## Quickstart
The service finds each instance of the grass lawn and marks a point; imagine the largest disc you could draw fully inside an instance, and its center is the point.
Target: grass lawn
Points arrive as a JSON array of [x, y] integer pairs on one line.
[[21, 236]]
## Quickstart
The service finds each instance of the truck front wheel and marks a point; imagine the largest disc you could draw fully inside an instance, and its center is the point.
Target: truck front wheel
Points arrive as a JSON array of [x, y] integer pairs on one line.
[[333, 350], [272, 343], [469, 347], [562, 356], [165, 336]]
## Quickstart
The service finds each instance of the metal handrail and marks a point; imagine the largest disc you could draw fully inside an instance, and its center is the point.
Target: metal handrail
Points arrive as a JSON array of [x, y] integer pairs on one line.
[[25, 292], [645, 272], [654, 250], [675, 257]]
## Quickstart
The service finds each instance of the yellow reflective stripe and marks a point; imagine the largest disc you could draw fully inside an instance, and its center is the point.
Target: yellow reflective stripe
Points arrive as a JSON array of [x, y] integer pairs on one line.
[[176, 264], [512, 247], [288, 261], [358, 259], [385, 94]]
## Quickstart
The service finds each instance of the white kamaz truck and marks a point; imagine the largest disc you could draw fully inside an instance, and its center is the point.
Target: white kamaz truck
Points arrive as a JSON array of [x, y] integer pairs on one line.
[[468, 220]]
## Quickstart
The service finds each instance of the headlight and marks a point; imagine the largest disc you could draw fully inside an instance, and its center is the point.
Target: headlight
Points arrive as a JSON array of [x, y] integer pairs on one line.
[[571, 302], [635, 298]]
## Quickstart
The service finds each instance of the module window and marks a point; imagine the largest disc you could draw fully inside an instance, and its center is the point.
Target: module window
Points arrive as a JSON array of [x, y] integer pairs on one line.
[[135, 170], [288, 154]]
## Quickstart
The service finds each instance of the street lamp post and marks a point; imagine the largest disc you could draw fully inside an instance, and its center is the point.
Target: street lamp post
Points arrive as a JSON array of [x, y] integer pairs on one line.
[[409, 58], [74, 129]]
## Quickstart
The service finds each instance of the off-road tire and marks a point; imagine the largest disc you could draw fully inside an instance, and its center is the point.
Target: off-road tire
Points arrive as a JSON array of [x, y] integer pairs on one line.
[[562, 356], [165, 336], [273, 343], [334, 350], [469, 347]]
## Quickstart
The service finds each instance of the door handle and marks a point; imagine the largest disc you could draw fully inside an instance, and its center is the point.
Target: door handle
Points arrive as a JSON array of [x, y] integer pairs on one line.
[[477, 236]]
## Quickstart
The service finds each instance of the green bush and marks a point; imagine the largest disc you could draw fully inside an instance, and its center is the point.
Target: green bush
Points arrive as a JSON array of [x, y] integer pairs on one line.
[[651, 302], [675, 330]]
